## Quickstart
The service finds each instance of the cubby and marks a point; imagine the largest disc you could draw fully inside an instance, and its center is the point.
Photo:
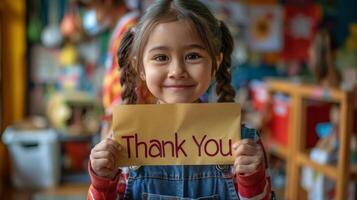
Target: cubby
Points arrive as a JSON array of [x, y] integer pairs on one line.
[[295, 153]]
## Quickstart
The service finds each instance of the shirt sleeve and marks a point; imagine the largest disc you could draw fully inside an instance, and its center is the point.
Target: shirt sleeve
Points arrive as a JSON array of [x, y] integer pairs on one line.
[[256, 186], [102, 188]]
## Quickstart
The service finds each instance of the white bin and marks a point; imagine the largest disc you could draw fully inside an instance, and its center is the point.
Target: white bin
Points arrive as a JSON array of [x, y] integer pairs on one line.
[[35, 156]]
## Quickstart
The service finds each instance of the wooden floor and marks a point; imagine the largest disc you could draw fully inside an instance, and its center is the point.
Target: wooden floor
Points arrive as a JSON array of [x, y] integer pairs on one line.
[[66, 189]]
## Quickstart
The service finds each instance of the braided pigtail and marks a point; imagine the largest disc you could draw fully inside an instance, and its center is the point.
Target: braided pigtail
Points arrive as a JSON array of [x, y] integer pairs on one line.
[[128, 74], [224, 89]]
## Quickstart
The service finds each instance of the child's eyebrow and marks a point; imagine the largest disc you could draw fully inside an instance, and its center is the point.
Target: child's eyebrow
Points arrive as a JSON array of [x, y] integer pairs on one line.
[[159, 48], [190, 46], [195, 46]]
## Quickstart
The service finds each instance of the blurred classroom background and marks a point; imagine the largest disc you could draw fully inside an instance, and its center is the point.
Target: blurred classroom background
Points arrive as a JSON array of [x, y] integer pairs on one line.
[[52, 61]]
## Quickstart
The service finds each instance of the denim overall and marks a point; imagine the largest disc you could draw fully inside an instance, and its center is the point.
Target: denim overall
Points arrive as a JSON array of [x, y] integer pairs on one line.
[[184, 182]]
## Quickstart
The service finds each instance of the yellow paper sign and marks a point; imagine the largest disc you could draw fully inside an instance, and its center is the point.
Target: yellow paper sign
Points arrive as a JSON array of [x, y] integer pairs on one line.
[[176, 134]]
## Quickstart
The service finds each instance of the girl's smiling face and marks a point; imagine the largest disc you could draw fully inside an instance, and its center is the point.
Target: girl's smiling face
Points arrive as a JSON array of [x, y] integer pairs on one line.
[[177, 67]]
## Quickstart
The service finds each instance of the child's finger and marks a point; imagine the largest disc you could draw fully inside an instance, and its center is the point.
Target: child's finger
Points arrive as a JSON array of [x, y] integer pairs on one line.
[[248, 141], [103, 154], [107, 144], [245, 169], [245, 149], [99, 164], [113, 141], [115, 144], [246, 160], [107, 152]]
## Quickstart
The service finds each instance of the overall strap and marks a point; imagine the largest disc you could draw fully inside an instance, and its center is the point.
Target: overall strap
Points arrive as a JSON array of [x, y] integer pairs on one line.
[[249, 133]]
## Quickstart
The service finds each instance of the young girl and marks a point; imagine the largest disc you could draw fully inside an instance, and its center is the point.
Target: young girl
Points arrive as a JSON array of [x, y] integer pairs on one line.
[[176, 50]]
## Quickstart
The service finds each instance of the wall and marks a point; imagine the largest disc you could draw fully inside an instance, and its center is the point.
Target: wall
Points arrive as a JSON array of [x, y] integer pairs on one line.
[[12, 16]]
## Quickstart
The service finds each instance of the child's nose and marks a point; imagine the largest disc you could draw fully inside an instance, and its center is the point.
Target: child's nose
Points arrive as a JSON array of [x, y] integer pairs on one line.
[[178, 70]]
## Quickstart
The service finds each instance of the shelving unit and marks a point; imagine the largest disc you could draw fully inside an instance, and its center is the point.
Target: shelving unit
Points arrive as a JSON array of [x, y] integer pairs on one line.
[[75, 177], [296, 155]]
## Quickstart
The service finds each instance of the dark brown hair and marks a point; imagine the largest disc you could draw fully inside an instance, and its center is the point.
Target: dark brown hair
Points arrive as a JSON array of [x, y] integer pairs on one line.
[[213, 33]]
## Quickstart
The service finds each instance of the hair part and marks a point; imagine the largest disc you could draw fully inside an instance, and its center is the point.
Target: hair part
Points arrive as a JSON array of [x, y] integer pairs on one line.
[[214, 35]]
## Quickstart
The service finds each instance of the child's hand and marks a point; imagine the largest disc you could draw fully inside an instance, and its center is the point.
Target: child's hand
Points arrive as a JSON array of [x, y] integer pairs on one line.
[[103, 158], [248, 156]]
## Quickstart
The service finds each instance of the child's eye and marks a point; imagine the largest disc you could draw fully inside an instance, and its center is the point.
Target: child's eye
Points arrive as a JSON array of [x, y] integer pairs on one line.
[[161, 58], [193, 56]]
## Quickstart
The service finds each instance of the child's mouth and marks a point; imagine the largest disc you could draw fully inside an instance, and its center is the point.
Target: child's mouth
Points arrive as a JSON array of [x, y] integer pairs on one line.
[[178, 87]]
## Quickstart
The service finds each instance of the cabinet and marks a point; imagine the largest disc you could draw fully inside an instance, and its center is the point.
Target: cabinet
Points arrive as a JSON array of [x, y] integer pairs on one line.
[[295, 153]]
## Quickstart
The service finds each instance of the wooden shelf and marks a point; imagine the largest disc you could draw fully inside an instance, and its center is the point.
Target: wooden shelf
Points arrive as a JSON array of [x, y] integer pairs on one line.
[[308, 91], [328, 170], [295, 155]]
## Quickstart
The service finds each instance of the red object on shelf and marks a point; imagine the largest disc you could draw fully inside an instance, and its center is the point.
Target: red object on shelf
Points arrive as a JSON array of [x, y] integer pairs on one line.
[[279, 124], [77, 154], [260, 95], [316, 112]]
